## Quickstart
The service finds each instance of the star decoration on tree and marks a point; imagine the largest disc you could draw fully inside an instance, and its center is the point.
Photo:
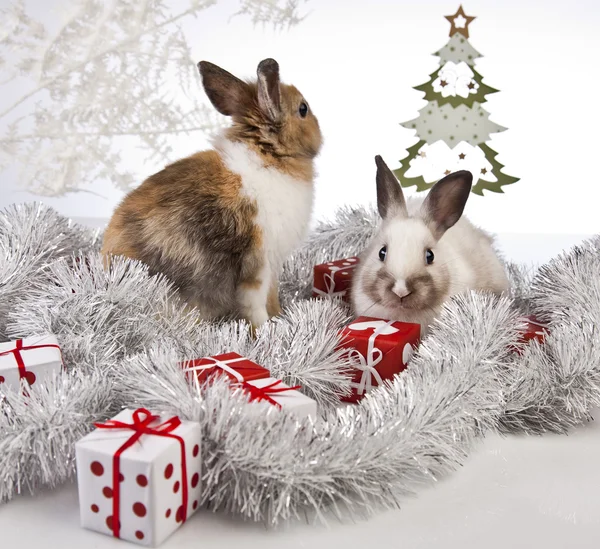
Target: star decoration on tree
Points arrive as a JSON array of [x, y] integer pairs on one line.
[[471, 85], [460, 22], [447, 172], [483, 171], [443, 83], [462, 156], [422, 154]]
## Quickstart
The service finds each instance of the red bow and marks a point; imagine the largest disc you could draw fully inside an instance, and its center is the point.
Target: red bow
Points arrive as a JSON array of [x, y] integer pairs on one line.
[[264, 393], [23, 373], [142, 419]]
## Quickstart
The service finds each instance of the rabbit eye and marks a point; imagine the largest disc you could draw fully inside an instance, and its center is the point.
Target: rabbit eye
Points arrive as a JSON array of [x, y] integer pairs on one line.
[[383, 253], [429, 256], [303, 109]]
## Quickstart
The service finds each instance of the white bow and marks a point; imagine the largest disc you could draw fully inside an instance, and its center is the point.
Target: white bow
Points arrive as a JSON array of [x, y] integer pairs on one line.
[[223, 364], [374, 355]]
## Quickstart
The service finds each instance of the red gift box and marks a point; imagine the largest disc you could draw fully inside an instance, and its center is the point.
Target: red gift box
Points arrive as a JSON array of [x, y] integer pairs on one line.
[[377, 350], [234, 366], [333, 279], [533, 330]]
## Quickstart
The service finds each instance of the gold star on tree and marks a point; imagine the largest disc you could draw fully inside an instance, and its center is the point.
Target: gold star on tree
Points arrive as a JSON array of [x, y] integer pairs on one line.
[[483, 171], [471, 85], [462, 156], [460, 22], [447, 172], [443, 83]]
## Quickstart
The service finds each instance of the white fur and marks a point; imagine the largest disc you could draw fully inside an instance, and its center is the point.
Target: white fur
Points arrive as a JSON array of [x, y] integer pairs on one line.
[[253, 300], [465, 249], [284, 207]]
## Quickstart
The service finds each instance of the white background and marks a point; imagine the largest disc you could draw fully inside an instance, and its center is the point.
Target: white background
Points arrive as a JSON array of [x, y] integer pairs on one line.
[[357, 61]]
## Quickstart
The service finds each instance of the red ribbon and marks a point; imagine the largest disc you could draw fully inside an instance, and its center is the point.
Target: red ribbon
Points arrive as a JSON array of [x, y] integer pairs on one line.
[[142, 419], [16, 352], [264, 393]]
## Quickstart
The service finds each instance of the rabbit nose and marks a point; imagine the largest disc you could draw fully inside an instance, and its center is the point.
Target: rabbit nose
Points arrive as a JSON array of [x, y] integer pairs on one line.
[[400, 289]]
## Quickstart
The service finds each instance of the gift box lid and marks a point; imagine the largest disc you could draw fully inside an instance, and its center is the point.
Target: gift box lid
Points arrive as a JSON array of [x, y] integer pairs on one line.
[[365, 327], [338, 265], [146, 449], [31, 357], [223, 364]]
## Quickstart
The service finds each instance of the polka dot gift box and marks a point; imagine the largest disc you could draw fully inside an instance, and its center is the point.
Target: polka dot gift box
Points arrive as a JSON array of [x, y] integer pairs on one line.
[[34, 359], [138, 476], [377, 350], [333, 279]]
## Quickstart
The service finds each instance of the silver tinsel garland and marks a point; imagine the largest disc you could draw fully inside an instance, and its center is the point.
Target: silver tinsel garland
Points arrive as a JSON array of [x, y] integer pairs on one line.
[[123, 333]]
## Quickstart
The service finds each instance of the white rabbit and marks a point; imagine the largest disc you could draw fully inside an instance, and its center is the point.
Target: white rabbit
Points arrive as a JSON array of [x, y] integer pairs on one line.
[[424, 252]]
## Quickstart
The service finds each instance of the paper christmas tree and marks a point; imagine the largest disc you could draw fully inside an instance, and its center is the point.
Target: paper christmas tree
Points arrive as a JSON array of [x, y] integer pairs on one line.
[[453, 127]]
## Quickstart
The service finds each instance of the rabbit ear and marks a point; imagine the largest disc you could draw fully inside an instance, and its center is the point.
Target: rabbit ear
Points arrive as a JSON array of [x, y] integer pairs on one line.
[[446, 201], [226, 92], [269, 97], [390, 199]]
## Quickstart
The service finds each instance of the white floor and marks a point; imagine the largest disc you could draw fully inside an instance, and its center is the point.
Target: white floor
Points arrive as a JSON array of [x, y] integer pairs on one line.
[[514, 492]]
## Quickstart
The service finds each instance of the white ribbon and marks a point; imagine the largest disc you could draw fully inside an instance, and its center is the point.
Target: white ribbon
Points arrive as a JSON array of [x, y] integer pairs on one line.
[[329, 280], [367, 364], [223, 364], [530, 321]]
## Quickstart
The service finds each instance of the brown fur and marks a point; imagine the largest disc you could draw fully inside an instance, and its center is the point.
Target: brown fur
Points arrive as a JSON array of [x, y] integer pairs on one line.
[[164, 224], [288, 145], [191, 222]]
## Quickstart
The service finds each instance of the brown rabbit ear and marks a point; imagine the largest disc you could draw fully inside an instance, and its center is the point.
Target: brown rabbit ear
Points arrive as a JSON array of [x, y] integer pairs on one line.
[[226, 92], [446, 201], [269, 96], [390, 198]]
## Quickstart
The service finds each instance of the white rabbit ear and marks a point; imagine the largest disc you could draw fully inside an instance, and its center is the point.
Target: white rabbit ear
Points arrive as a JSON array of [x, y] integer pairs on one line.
[[390, 198], [226, 92], [446, 202], [269, 95]]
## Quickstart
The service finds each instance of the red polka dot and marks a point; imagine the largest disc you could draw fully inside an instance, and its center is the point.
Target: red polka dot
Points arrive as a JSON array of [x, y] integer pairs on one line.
[[139, 534], [139, 509], [179, 514], [142, 480], [195, 504], [95, 508], [168, 513], [30, 377], [196, 450], [121, 477], [97, 468], [109, 523], [2, 380], [107, 492], [168, 471], [176, 487], [195, 480]]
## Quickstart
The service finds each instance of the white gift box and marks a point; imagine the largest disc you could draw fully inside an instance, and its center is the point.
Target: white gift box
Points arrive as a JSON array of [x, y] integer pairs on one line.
[[154, 487], [277, 393], [35, 359]]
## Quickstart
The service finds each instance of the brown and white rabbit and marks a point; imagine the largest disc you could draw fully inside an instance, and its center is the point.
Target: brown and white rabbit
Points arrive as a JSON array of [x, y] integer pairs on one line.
[[424, 252], [220, 223]]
